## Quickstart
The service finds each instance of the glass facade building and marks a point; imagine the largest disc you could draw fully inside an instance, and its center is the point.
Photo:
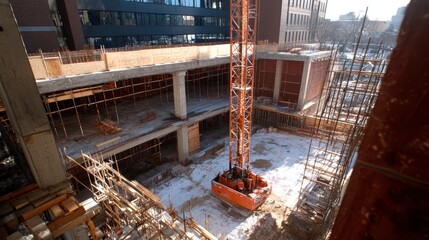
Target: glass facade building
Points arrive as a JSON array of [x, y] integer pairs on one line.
[[119, 23]]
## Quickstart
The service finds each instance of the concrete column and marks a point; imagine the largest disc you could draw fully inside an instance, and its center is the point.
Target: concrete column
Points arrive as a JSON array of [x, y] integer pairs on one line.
[[181, 112], [304, 84], [23, 105], [182, 144], [179, 91], [277, 81]]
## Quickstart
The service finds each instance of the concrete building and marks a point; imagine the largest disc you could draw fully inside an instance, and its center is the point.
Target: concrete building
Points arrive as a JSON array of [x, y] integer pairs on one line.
[[117, 23], [397, 18], [348, 17], [290, 21], [143, 108], [137, 105]]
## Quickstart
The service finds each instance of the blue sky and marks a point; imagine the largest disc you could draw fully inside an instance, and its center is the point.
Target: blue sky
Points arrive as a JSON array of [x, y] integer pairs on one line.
[[377, 9]]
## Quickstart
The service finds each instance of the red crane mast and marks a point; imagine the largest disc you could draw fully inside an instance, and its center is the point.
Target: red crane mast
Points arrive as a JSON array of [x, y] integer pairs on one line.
[[239, 185]]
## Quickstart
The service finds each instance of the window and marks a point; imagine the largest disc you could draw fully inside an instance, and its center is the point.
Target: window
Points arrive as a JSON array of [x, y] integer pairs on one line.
[[128, 19]]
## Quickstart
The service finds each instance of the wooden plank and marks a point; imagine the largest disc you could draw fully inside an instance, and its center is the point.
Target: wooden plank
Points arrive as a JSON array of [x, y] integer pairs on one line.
[[15, 236], [53, 67], [36, 195], [38, 228], [69, 96], [62, 224], [193, 137], [38, 210], [8, 197], [69, 226], [24, 210], [10, 221], [56, 211], [5, 209], [70, 204], [116, 139]]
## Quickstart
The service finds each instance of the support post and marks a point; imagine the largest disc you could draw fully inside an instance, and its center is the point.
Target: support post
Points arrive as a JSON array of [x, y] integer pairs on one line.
[[277, 81], [179, 95], [19, 93], [182, 144], [181, 112], [304, 84]]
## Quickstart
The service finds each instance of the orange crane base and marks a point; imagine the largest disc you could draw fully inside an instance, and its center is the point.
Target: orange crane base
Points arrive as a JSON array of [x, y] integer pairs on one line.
[[247, 192]]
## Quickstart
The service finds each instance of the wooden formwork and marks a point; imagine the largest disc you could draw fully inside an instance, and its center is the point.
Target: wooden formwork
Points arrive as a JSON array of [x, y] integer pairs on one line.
[[133, 211], [193, 138]]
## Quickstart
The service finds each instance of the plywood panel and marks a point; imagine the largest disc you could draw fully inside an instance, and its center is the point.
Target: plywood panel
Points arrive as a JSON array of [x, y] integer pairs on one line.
[[167, 55], [81, 68], [118, 60], [193, 138], [223, 50], [53, 67], [38, 68]]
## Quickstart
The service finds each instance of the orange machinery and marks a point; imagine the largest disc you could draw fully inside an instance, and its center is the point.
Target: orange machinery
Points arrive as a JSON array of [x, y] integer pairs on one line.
[[239, 185]]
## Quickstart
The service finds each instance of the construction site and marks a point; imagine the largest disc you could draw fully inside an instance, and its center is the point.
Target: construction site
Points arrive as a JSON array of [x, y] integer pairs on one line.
[[246, 140]]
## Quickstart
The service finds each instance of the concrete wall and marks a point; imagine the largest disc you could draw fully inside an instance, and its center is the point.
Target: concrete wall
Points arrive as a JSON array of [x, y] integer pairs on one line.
[[265, 78], [316, 79], [291, 83]]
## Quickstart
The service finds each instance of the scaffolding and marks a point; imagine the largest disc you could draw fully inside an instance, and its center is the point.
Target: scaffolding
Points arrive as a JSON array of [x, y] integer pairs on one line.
[[132, 211], [349, 94]]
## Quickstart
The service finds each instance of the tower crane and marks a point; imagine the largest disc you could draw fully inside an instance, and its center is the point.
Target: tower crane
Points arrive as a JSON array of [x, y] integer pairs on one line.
[[238, 185]]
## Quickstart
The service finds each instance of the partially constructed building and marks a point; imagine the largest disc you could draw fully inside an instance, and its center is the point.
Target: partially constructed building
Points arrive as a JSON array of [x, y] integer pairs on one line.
[[94, 114]]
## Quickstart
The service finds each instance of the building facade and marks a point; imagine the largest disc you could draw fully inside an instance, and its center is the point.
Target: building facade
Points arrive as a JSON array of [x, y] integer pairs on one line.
[[118, 23], [290, 21], [76, 24]]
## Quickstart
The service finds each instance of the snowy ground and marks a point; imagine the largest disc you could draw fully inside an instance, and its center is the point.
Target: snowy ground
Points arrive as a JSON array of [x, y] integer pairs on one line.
[[279, 157]]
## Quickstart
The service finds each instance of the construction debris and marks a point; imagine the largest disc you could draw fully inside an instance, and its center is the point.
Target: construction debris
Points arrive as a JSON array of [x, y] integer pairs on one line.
[[107, 126], [149, 116]]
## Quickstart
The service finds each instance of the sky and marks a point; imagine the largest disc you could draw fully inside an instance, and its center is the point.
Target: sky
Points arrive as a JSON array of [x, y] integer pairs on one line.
[[377, 9]]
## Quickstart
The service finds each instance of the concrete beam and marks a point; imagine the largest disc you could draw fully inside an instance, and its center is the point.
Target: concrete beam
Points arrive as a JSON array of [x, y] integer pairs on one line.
[[23, 105], [85, 80], [179, 92], [293, 56]]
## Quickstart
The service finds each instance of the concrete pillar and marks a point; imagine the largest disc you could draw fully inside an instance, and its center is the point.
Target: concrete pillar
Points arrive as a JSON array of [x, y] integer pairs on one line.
[[179, 94], [23, 104], [181, 112], [304, 84], [182, 144], [72, 26], [277, 81]]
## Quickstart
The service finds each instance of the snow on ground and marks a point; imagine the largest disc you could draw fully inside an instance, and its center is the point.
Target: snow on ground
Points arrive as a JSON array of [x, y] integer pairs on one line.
[[279, 157]]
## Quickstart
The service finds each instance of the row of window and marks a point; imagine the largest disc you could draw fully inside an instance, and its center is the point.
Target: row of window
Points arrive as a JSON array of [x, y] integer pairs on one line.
[[322, 7], [211, 4], [296, 36], [90, 17], [298, 19], [306, 4], [121, 41]]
